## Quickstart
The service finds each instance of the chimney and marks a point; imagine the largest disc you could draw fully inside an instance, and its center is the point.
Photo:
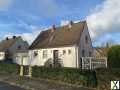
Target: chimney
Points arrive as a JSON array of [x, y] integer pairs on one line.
[[70, 24], [53, 28], [14, 37], [7, 38]]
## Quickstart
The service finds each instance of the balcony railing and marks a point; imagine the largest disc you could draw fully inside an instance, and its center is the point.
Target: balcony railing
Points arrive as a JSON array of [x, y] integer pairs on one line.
[[94, 62]]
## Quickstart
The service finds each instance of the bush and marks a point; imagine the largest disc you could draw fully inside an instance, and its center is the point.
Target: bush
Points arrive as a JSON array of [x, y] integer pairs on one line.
[[8, 68], [114, 57], [69, 75]]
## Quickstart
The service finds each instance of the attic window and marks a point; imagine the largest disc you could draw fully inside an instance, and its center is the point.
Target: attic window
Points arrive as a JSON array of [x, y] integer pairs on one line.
[[86, 39], [19, 47]]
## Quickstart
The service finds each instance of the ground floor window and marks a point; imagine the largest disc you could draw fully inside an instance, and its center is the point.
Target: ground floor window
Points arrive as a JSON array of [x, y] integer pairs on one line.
[[44, 54], [83, 53]]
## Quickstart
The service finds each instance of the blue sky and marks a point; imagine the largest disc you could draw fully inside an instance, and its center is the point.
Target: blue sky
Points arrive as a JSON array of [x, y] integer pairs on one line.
[[28, 17]]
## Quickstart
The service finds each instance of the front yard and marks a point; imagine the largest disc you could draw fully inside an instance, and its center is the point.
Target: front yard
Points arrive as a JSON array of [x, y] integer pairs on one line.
[[59, 78]]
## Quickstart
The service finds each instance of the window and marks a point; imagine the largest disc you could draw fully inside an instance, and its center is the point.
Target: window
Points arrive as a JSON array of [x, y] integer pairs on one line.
[[19, 47], [64, 52], [35, 53], [90, 53], [83, 53], [69, 51], [86, 39], [44, 53]]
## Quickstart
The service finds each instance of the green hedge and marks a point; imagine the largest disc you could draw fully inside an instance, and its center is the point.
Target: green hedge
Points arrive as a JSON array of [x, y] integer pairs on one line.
[[69, 75], [8, 68], [104, 76], [114, 57]]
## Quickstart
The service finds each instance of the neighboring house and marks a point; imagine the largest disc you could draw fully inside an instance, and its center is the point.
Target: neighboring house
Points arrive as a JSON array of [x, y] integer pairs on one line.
[[100, 51], [62, 46], [21, 57], [10, 46]]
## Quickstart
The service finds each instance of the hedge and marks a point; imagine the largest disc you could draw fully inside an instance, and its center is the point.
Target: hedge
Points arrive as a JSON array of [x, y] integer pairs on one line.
[[114, 57], [104, 76], [69, 75], [8, 68]]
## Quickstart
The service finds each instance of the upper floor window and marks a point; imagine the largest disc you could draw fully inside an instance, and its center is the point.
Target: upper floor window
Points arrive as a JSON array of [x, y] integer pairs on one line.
[[44, 53], [69, 51], [90, 53], [83, 53], [86, 39]]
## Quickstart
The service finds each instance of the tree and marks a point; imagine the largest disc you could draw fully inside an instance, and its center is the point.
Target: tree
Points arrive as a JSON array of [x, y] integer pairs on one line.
[[114, 57]]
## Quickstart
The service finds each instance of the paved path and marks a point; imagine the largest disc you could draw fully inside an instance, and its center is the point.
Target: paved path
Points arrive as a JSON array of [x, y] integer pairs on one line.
[[4, 86]]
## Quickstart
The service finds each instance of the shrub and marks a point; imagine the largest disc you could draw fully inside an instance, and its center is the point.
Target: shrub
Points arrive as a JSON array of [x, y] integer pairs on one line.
[[8, 68], [69, 75], [114, 57]]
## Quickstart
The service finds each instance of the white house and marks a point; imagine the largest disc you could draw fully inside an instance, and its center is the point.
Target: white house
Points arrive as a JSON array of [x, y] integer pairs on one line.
[[10, 46], [62, 46]]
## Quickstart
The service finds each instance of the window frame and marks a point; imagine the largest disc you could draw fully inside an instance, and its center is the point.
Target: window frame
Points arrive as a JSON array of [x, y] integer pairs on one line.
[[45, 54]]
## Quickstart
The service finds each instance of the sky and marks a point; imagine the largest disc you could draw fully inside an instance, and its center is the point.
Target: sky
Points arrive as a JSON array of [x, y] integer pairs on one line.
[[27, 18]]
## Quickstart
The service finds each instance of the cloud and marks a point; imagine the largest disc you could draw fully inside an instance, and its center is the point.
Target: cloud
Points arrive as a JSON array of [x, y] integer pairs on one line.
[[4, 4], [105, 19], [26, 36], [64, 22]]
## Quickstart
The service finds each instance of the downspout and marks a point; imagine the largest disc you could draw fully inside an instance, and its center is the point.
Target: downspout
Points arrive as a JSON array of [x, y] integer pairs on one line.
[[76, 52]]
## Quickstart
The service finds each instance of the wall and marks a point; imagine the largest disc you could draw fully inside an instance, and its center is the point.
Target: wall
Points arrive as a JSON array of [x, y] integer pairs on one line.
[[69, 60], [2, 56], [87, 47]]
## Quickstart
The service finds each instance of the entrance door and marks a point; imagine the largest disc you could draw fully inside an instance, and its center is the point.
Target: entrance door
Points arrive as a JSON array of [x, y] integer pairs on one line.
[[55, 57]]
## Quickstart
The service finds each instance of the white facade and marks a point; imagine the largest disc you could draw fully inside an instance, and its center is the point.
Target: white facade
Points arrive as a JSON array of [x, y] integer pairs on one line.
[[67, 55], [2, 56]]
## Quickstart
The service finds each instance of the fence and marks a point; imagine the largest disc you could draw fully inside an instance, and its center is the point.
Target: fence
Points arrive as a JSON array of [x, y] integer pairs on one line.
[[94, 62]]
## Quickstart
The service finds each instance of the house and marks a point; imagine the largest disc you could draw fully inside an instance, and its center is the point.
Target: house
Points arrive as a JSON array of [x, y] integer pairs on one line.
[[10, 46], [62, 46]]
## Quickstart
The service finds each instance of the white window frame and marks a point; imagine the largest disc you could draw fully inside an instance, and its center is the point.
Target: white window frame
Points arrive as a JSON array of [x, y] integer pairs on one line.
[[45, 54]]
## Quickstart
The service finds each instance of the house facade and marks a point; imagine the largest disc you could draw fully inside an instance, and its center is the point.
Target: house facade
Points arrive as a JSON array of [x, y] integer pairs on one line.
[[10, 46], [61, 46]]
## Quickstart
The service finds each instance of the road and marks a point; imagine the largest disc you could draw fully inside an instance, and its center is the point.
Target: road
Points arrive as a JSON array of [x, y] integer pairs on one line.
[[4, 86]]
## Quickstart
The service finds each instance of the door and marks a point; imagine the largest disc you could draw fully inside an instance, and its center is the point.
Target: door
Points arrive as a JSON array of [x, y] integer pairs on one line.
[[55, 57]]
